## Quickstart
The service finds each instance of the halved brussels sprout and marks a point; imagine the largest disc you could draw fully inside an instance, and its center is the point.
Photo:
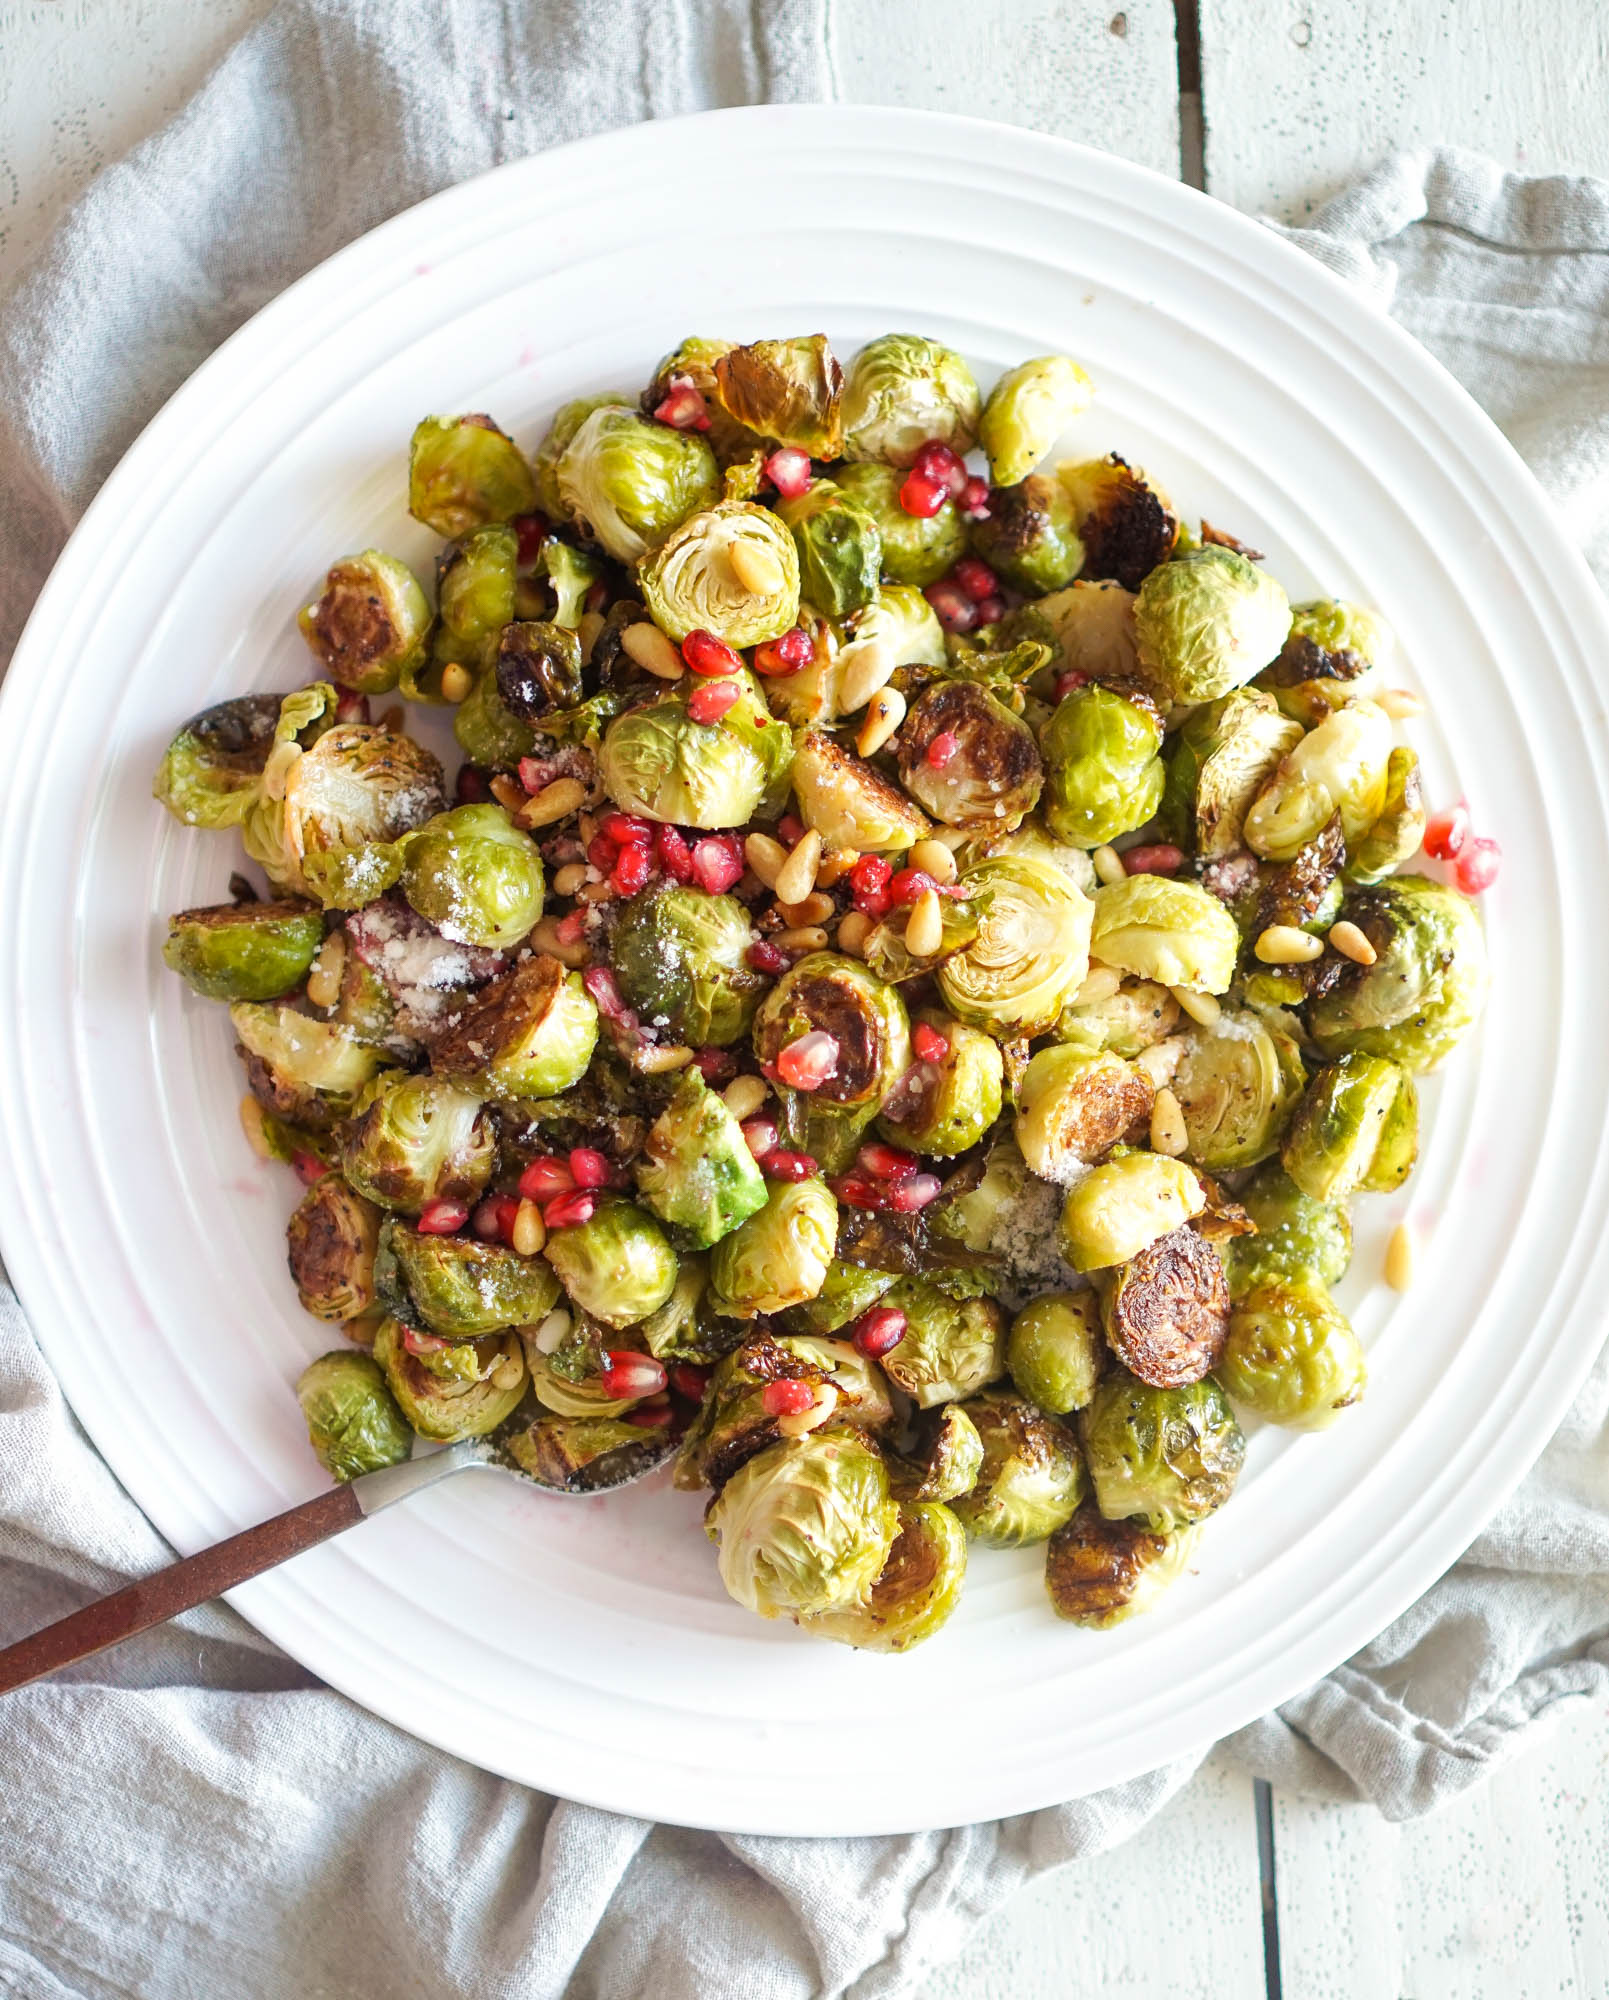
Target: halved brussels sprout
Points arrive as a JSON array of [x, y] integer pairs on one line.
[[474, 875], [1099, 1572], [658, 762], [1398, 1149], [1073, 1107], [583, 1454], [681, 958], [840, 552], [1030, 535], [244, 951], [1137, 1016], [1091, 627], [886, 947], [1123, 1205], [951, 1347], [1297, 1237], [529, 1034], [848, 802], [418, 1139], [693, 361], [331, 1241], [1222, 758], [696, 1172], [464, 1289], [353, 1422], [370, 622], [1292, 1355], [1428, 982], [781, 1255], [567, 420], [1125, 522], [1167, 1312], [475, 594], [537, 668], [1339, 767], [1034, 840], [902, 391], [1104, 773], [1031, 951], [944, 1460], [993, 775], [1329, 655], [917, 1589], [463, 472], [828, 993], [304, 1069], [1206, 622], [1031, 1479], [992, 1229], [629, 482], [211, 774], [846, 1292], [733, 1422], [1168, 1457], [1028, 409], [785, 389], [943, 1107], [617, 1266], [901, 623], [1237, 1083], [917, 548], [1396, 835], [1056, 1350], [686, 1327], [1338, 1126], [805, 1526], [445, 1408], [569, 1382], [1170, 931], [731, 570]]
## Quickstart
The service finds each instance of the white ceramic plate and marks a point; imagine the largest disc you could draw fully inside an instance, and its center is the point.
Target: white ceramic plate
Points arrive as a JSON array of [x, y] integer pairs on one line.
[[587, 1647]]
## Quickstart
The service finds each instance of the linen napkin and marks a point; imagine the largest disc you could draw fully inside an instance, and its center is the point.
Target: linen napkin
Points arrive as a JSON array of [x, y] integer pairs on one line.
[[192, 1818]]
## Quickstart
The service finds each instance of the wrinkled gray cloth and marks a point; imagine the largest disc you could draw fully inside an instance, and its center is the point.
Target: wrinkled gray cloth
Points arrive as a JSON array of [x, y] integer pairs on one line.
[[191, 1818]]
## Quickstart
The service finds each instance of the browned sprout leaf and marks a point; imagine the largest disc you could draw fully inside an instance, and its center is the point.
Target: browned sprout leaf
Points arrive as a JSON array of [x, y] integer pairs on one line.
[[789, 390]]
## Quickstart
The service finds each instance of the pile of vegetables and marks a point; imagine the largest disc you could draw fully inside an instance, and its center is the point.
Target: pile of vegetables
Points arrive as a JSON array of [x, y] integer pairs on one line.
[[892, 1011]]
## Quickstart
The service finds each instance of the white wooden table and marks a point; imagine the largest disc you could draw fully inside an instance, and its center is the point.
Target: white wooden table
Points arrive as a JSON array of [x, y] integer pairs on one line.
[[1272, 105]]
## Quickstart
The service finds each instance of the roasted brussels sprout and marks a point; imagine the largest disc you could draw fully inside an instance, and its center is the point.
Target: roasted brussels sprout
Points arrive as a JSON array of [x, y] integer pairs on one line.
[[447, 1407], [902, 391], [1292, 1356], [463, 473], [529, 1034], [998, 1227], [789, 390], [781, 1255], [486, 729], [1167, 1457], [1167, 1312], [1337, 768], [1125, 522], [848, 802], [1206, 622], [731, 570], [806, 1526], [353, 1422], [900, 621], [331, 1242], [617, 1266], [1073, 1107], [1398, 1149], [917, 1589], [917, 548], [1123, 1205], [417, 1139], [681, 957], [944, 1460], [630, 482], [1137, 1016], [1237, 1084], [735, 1420], [299, 1067], [951, 1347], [1396, 835], [475, 595], [462, 1288], [1031, 951], [1031, 1478], [827, 993], [583, 1454], [943, 1105], [566, 422], [840, 552], [1222, 758], [1297, 1237], [537, 668], [658, 762], [1329, 656], [992, 776], [692, 363], [1336, 1132], [369, 624], [1029, 535], [846, 1292], [1426, 987], [474, 875], [1171, 931], [1099, 1572], [211, 774], [1103, 770], [1056, 1350], [1091, 628], [244, 951], [696, 1172], [1028, 409]]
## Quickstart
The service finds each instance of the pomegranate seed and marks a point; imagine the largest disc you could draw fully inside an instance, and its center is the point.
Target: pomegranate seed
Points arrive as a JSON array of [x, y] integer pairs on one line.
[[715, 1065], [568, 929], [601, 983], [991, 610], [868, 885], [787, 1398], [486, 1221], [530, 532], [974, 499], [689, 1380], [808, 1063], [760, 1135], [1070, 682], [588, 1167], [910, 1195], [569, 1211], [929, 1044], [976, 578], [952, 607], [768, 661], [922, 497], [1446, 832], [602, 853], [626, 829], [718, 863], [795, 649], [857, 1193], [879, 1331], [886, 1163], [710, 656], [675, 856], [546, 1177], [684, 408], [1477, 865], [442, 1218], [788, 471], [766, 957], [649, 1416], [471, 788], [908, 884], [352, 707], [710, 702], [308, 1168], [1162, 859], [534, 774], [781, 1165], [627, 1373], [632, 870], [938, 462], [943, 748], [790, 829], [417, 1342]]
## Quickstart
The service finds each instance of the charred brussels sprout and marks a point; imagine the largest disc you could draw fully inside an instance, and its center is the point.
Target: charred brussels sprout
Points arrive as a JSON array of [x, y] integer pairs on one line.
[[369, 624], [211, 774], [697, 1173], [244, 951], [1073, 1107], [1329, 656], [1120, 1207], [1125, 522], [827, 993], [331, 1242], [474, 875], [839, 550], [734, 1421], [944, 1460], [353, 1422], [1297, 1237], [1099, 1572], [1031, 951], [902, 391], [944, 1105], [681, 957], [951, 1347], [537, 669], [299, 1067], [529, 1034], [916, 1590], [1031, 1479], [1167, 1457], [692, 363], [1426, 987], [617, 1266], [731, 570], [464, 1289], [1291, 1356], [1206, 622], [1337, 768], [993, 776], [916, 549], [806, 1526], [583, 1454], [463, 473], [1029, 535], [848, 802], [1167, 1312], [781, 1255], [1137, 1016], [846, 1292], [659, 762], [1028, 409], [1396, 835], [1172, 932], [418, 1139], [1221, 759], [788, 390], [1336, 1133], [1237, 1084], [629, 482], [449, 1406], [1104, 773], [1056, 1350]]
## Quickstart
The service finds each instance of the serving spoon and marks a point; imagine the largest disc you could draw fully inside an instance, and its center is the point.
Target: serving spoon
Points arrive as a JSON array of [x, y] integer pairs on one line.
[[152, 1600]]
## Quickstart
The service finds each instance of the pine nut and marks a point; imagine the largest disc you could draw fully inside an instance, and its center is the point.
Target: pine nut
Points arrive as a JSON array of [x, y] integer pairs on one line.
[[554, 802], [1102, 983], [811, 937], [456, 682], [512, 797], [815, 909], [853, 933], [594, 892], [508, 1373], [884, 714], [1284, 944], [551, 1333], [1202, 1008], [569, 878], [588, 631], [765, 856], [546, 938], [654, 1060], [1168, 1134], [1400, 703], [1350, 942], [866, 670], [924, 933], [744, 1095], [652, 651], [251, 1123], [1108, 866], [1161, 1059], [530, 1232], [797, 876], [800, 1423], [1399, 1259], [836, 865], [933, 858], [756, 569], [324, 981]]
